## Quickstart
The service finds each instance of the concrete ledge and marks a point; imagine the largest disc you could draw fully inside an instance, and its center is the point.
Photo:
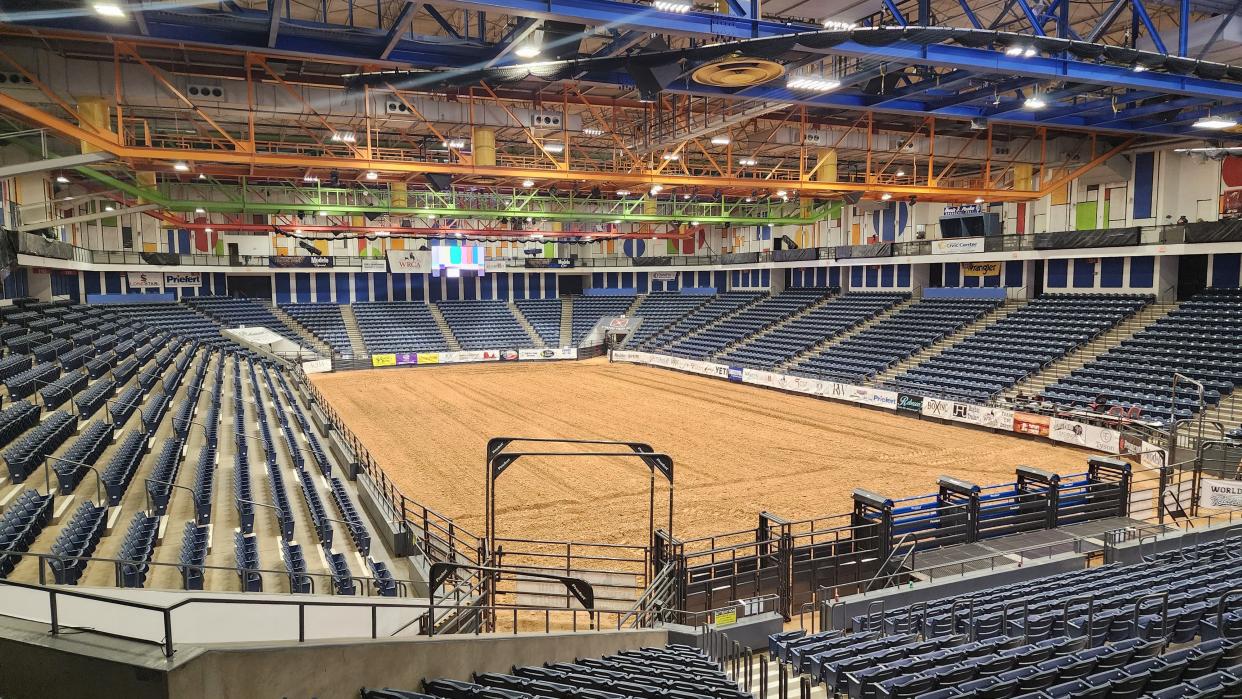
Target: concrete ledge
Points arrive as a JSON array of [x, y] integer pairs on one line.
[[344, 454], [1132, 551], [320, 420]]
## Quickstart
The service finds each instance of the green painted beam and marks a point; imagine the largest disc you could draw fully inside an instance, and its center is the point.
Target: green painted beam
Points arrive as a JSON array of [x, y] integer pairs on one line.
[[757, 214]]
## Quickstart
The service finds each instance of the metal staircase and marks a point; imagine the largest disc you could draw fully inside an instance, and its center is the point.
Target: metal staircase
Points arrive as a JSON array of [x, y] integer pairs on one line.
[[530, 329], [445, 330], [354, 332]]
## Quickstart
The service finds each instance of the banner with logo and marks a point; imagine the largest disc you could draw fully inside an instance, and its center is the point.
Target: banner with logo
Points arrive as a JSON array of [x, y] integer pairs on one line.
[[907, 403], [317, 366], [383, 360], [183, 279], [374, 264], [145, 280], [509, 355], [735, 374], [404, 358], [300, 261], [938, 408], [1153, 457], [409, 260], [1084, 435], [491, 355], [663, 276], [980, 269], [1220, 494], [548, 353], [428, 357], [1030, 423], [948, 246]]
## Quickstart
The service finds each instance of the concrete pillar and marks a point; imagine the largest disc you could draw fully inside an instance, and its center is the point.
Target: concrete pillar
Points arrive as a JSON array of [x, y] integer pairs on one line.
[[1022, 175], [826, 161], [399, 196], [94, 112], [484, 147], [919, 277], [1166, 278]]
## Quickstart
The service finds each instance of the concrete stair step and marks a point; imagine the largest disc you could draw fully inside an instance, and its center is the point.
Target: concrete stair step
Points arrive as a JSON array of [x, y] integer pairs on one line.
[[567, 321], [445, 329], [354, 332], [535, 339]]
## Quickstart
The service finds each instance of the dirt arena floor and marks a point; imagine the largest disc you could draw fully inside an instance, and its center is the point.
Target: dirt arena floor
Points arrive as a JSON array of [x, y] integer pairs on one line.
[[738, 449]]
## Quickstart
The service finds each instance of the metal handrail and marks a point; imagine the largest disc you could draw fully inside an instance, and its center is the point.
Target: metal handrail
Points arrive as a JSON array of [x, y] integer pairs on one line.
[[880, 571]]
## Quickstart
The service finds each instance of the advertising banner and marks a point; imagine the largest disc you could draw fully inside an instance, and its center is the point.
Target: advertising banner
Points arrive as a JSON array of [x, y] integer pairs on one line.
[[907, 403], [1153, 456], [938, 408], [300, 261], [407, 358], [1030, 423], [145, 280], [428, 357], [663, 276], [947, 246], [374, 264], [508, 355], [1220, 494], [318, 366], [383, 360], [491, 355], [981, 269], [409, 260], [1084, 435], [549, 353], [183, 279], [735, 374]]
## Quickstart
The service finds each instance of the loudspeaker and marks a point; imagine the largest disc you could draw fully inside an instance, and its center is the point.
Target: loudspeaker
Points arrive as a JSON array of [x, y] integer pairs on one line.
[[562, 40], [651, 80], [438, 182], [851, 198]]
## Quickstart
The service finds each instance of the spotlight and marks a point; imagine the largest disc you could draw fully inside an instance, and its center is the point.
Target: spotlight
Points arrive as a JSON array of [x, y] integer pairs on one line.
[[685, 197], [672, 6], [372, 175], [781, 193], [110, 10], [978, 200], [749, 199], [181, 167], [901, 173], [61, 179], [344, 137], [200, 210], [310, 178], [886, 196], [592, 131], [721, 140], [527, 51], [528, 183], [109, 208], [1215, 123], [1035, 102], [623, 192], [836, 25], [671, 156], [812, 84], [747, 162], [202, 176]]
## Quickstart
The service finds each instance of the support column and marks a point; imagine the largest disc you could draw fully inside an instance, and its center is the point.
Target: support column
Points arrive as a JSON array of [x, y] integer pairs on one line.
[[94, 113]]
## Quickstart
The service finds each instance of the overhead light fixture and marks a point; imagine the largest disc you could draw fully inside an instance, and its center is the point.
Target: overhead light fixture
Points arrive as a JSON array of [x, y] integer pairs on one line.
[[372, 175], [978, 200], [671, 156], [694, 223], [110, 10], [615, 221], [454, 143], [309, 178], [812, 84], [721, 140], [181, 167], [1035, 102], [322, 213], [837, 25], [200, 210], [686, 197], [528, 183], [749, 199], [61, 179], [382, 234], [1139, 68], [901, 173], [207, 230], [431, 217], [781, 193], [344, 137], [527, 51], [623, 192], [672, 6], [592, 131], [657, 188], [1215, 122], [1024, 51], [747, 162], [202, 176], [886, 196], [109, 208], [554, 146]]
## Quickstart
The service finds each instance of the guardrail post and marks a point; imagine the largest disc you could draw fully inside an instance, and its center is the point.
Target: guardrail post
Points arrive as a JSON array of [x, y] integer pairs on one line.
[[53, 611], [168, 636], [763, 676]]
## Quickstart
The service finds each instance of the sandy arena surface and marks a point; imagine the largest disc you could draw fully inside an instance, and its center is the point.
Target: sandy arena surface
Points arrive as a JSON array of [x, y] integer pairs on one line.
[[738, 449]]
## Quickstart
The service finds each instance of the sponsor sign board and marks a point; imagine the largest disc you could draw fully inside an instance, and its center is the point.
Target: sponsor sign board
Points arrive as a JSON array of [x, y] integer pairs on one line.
[[144, 280], [907, 403], [735, 374], [1030, 423], [183, 279], [949, 246], [300, 261], [508, 355], [980, 269], [491, 355], [1220, 494], [383, 360], [317, 366], [663, 276], [1084, 435], [407, 358], [726, 617], [962, 209], [428, 357], [374, 264], [409, 260]]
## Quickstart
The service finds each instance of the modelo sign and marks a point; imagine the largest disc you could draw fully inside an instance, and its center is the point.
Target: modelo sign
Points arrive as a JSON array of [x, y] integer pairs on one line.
[[183, 279]]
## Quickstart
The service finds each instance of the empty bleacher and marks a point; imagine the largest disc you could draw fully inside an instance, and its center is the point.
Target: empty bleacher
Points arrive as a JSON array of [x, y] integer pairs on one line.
[[1020, 344], [862, 356], [660, 309], [753, 319], [716, 308], [1198, 339], [324, 321], [544, 315], [399, 326], [484, 325], [589, 310]]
